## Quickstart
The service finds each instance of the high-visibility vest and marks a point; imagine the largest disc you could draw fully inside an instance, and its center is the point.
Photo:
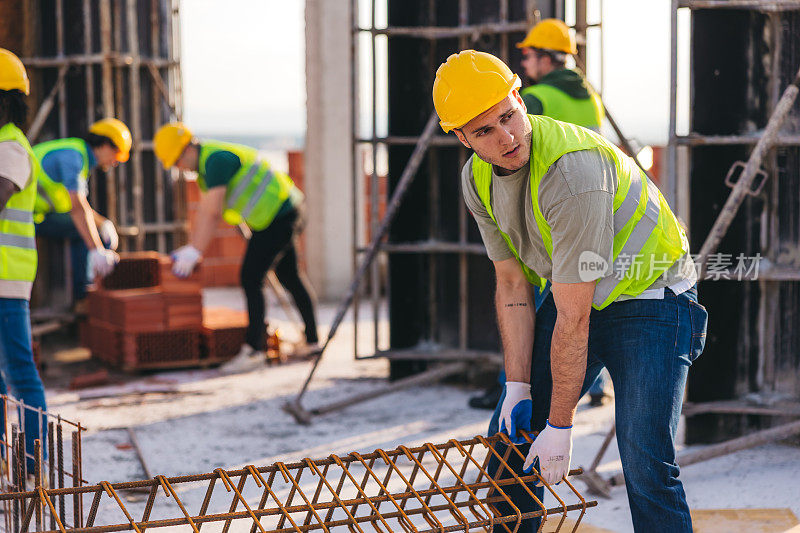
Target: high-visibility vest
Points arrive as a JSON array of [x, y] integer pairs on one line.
[[557, 104], [255, 193], [648, 239], [53, 196], [17, 231]]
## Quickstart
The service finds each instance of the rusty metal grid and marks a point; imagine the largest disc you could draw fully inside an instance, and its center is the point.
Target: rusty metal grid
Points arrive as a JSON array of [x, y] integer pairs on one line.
[[427, 488], [56, 457]]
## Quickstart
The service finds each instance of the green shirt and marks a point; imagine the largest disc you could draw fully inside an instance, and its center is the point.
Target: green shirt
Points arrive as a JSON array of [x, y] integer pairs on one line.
[[220, 168]]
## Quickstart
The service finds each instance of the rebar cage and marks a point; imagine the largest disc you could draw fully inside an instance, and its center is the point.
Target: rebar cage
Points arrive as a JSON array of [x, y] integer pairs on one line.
[[425, 488]]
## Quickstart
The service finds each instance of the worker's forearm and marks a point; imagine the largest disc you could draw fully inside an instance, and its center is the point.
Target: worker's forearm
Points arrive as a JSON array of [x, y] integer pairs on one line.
[[516, 316], [98, 218], [203, 229], [208, 216], [83, 218], [568, 352]]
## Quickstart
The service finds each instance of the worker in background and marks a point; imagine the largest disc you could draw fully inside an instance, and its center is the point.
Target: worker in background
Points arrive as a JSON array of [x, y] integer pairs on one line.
[[62, 206], [554, 201], [562, 94], [17, 249], [558, 92], [240, 187]]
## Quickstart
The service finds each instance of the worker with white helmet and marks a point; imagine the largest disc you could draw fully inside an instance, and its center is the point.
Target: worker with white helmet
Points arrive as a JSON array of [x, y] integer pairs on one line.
[[557, 202]]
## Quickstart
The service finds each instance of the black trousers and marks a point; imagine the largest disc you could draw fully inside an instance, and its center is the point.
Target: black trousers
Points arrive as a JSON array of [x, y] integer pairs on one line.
[[274, 248]]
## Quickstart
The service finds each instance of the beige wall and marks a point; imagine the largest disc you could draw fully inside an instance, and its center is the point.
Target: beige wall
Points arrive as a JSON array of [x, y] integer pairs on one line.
[[328, 146]]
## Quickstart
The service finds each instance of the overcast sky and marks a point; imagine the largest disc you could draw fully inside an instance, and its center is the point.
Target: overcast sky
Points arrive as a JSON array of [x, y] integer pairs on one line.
[[244, 65]]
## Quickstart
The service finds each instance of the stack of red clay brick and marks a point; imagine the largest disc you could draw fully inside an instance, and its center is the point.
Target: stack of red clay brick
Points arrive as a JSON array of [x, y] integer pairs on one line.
[[222, 259], [141, 317]]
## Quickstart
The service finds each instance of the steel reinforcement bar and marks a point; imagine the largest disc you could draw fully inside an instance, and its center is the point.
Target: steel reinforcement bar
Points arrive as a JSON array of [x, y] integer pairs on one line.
[[455, 486]]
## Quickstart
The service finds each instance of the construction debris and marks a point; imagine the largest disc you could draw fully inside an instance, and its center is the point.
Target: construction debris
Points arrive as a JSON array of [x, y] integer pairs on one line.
[[443, 487]]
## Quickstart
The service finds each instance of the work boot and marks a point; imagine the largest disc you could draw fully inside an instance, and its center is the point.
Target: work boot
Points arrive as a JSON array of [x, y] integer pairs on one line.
[[247, 360], [487, 400], [306, 350], [596, 400]]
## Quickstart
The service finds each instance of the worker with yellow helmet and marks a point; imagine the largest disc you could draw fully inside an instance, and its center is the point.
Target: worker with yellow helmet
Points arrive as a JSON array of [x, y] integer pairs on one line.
[[62, 206], [557, 202], [240, 187], [562, 94], [18, 258], [558, 92]]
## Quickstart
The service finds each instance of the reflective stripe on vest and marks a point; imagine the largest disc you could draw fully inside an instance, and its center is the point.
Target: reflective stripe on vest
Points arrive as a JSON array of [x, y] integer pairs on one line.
[[645, 228], [262, 187], [18, 241], [238, 191], [16, 215]]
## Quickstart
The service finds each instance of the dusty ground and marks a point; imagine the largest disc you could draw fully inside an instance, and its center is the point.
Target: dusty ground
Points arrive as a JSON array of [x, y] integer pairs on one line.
[[218, 421]]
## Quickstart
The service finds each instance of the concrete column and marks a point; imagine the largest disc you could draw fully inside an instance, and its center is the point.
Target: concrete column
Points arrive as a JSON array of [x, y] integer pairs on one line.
[[328, 151]]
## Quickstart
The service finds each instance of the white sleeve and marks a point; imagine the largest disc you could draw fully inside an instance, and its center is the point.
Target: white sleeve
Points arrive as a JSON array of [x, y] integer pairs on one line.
[[15, 163]]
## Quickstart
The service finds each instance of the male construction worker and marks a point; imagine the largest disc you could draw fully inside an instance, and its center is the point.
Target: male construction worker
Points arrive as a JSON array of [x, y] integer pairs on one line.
[[18, 374], [558, 92], [240, 187], [554, 201], [562, 94], [62, 207]]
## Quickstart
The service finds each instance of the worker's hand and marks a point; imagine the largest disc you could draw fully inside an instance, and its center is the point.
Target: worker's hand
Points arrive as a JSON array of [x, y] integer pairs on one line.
[[108, 233], [553, 447], [516, 411], [184, 260], [103, 261]]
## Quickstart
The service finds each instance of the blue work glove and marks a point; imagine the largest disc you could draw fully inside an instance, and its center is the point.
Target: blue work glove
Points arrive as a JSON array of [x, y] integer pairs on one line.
[[516, 411]]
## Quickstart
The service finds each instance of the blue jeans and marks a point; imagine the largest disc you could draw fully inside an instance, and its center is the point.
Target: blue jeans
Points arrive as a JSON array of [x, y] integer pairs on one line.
[[18, 371], [647, 347], [61, 226]]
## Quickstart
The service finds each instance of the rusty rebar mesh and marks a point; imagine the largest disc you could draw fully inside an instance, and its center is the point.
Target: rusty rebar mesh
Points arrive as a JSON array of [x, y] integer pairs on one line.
[[442, 487], [53, 461]]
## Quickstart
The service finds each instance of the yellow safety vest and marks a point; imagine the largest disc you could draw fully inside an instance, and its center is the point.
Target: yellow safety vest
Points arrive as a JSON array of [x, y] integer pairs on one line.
[[17, 231], [647, 233], [255, 193]]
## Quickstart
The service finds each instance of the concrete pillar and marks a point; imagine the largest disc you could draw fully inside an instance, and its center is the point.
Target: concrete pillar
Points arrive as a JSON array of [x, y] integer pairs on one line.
[[329, 151]]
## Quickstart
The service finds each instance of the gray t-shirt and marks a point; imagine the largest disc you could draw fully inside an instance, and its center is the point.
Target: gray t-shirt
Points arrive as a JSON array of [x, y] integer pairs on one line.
[[576, 197]]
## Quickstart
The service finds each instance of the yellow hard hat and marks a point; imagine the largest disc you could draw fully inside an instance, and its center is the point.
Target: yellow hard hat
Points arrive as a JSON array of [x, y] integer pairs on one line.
[[169, 142], [118, 132], [12, 73], [469, 83], [550, 34]]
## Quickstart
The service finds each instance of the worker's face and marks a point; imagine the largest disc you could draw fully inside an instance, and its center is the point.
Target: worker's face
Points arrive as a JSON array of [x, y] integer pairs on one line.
[[188, 159], [501, 135], [535, 66], [106, 156]]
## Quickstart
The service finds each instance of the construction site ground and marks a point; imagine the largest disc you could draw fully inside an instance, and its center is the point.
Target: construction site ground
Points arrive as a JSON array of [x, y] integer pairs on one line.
[[194, 421]]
